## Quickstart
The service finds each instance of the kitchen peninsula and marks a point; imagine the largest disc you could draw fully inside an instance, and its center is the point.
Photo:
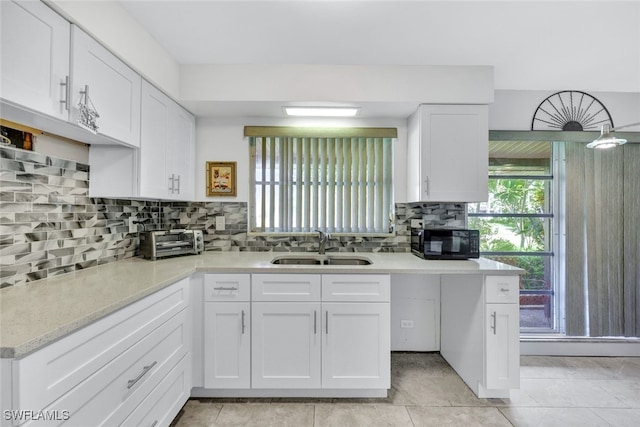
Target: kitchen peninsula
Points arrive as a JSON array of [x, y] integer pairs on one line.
[[478, 315]]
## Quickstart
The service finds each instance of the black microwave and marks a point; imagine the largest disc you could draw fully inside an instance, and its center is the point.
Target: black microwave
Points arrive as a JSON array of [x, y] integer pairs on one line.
[[445, 243]]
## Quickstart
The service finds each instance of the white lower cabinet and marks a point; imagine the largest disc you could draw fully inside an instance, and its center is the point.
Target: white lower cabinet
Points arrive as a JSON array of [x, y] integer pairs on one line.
[[227, 351], [307, 332], [166, 400], [286, 345], [227, 331], [101, 374], [502, 332], [356, 345], [502, 346], [480, 335]]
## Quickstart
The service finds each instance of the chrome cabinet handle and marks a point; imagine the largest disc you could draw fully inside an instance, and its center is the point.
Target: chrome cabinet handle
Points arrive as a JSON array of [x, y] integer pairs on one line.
[[315, 321], [243, 326], [222, 288], [326, 323], [144, 372], [171, 184], [493, 322], [426, 184], [67, 93], [504, 289], [177, 179], [155, 423]]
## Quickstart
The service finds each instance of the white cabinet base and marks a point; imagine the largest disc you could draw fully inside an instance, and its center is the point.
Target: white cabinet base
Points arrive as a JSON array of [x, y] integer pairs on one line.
[[284, 392]]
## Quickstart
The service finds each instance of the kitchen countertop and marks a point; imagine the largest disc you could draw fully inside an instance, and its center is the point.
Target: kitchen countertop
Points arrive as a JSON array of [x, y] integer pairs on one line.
[[37, 313]]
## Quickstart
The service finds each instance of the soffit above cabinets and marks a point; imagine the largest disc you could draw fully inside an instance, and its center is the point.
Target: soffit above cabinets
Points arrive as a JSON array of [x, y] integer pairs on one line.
[[392, 91]]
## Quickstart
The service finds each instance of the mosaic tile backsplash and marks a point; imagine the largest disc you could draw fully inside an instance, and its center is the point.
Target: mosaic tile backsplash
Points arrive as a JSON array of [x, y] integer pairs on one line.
[[49, 225]]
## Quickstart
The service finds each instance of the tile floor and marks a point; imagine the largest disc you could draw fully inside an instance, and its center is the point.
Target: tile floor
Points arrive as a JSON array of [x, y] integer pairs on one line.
[[555, 391]]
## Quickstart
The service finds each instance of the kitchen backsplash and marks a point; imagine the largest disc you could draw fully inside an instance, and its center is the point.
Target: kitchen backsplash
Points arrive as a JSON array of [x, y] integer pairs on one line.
[[49, 225]]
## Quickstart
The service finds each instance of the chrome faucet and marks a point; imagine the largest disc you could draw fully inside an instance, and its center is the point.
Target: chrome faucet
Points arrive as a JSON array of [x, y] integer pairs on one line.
[[324, 238]]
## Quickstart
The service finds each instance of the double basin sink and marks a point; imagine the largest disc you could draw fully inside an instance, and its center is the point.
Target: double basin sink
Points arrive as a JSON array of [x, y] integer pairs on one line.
[[321, 260]]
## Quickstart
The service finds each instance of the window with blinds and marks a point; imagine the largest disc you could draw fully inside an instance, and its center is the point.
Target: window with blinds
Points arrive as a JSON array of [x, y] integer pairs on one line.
[[337, 181]]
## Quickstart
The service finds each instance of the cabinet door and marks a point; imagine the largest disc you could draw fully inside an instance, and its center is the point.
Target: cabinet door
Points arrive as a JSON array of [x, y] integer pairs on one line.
[[502, 346], [356, 345], [114, 88], [451, 160], [180, 153], [35, 57], [227, 345], [154, 139], [286, 345]]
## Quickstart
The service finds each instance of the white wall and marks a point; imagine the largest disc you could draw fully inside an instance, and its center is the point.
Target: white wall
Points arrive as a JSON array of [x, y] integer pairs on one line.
[[223, 140], [514, 109], [62, 148]]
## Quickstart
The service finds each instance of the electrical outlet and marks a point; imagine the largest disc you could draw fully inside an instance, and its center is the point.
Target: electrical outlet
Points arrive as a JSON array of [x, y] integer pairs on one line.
[[220, 223], [132, 227], [416, 223], [406, 324]]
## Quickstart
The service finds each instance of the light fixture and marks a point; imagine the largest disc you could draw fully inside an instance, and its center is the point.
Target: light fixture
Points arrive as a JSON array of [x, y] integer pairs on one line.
[[606, 139], [321, 111]]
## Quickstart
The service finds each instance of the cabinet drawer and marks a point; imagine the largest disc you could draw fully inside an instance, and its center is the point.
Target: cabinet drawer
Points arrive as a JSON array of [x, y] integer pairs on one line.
[[112, 393], [285, 287], [45, 375], [227, 287], [502, 289], [356, 287], [165, 401]]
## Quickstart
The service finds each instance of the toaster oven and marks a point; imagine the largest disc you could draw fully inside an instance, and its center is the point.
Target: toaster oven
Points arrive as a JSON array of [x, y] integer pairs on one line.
[[158, 244]]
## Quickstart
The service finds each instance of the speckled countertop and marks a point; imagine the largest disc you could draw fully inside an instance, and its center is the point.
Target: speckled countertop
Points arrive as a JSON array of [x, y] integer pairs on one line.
[[37, 313]]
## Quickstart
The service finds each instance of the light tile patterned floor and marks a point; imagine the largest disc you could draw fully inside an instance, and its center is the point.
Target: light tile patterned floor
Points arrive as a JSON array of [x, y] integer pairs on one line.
[[555, 391]]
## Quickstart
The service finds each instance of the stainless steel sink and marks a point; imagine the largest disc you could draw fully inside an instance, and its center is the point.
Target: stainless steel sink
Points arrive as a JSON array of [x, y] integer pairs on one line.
[[321, 260], [297, 260], [339, 260]]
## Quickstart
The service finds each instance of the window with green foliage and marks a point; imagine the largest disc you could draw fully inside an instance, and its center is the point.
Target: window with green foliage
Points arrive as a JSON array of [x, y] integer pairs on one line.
[[516, 224]]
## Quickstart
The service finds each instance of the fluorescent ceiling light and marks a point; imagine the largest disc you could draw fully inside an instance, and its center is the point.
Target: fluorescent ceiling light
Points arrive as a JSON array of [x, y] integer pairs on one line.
[[321, 111]]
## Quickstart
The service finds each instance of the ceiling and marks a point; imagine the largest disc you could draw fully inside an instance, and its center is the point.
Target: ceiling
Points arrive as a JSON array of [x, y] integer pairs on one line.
[[532, 45]]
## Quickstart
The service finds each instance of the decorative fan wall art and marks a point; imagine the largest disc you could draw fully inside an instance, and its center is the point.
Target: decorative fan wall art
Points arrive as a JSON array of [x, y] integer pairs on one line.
[[571, 110]]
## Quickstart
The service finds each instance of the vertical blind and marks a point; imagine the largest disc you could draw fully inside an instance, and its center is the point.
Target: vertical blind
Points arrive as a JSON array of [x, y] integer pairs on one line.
[[337, 184], [603, 241]]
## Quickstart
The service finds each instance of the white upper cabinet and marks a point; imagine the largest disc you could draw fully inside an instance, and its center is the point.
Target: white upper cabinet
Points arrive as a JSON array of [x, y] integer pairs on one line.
[[154, 140], [34, 57], [113, 88], [162, 168], [166, 147], [181, 153], [448, 153]]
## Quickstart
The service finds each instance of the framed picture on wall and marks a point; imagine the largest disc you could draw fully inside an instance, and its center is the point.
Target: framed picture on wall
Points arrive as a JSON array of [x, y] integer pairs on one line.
[[221, 179]]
